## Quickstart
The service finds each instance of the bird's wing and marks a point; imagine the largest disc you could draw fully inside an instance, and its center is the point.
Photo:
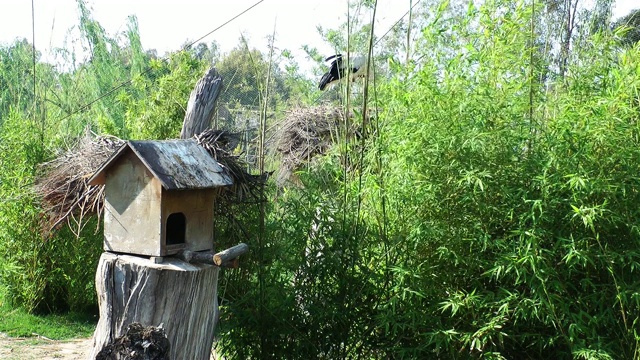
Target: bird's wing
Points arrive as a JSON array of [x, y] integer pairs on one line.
[[326, 79], [336, 56]]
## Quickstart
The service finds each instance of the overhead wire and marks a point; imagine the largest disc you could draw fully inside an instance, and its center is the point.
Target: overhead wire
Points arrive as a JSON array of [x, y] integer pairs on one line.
[[129, 81], [227, 22], [188, 46], [396, 23]]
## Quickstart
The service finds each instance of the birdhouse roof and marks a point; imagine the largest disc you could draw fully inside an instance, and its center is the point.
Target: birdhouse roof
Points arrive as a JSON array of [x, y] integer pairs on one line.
[[177, 164]]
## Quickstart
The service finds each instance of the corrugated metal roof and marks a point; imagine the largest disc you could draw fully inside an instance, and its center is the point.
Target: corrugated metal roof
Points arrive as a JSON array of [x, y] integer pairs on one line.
[[177, 164]]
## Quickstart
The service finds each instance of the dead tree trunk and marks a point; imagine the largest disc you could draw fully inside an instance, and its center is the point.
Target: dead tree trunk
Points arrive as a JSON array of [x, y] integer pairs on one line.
[[202, 104], [179, 295]]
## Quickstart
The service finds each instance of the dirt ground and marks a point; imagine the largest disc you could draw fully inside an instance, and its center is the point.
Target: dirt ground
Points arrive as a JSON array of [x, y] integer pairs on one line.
[[40, 348]]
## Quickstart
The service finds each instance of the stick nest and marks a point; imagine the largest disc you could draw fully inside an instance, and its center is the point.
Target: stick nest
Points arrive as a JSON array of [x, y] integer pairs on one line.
[[306, 133], [66, 196]]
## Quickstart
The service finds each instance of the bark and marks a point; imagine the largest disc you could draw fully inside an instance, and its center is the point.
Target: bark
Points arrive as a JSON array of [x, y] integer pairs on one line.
[[225, 258], [181, 297], [201, 107], [230, 254]]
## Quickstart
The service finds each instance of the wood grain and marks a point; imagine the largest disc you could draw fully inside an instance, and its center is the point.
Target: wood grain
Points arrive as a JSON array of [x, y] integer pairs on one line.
[[180, 296]]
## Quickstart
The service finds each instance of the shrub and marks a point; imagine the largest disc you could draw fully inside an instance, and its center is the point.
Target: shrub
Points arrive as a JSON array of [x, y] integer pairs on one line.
[[40, 274]]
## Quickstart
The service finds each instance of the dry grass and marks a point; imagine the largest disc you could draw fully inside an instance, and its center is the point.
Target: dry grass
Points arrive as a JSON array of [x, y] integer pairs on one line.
[[220, 144], [63, 182]]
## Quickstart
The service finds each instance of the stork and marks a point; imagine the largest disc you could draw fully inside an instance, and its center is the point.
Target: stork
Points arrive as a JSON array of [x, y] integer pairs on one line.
[[339, 69]]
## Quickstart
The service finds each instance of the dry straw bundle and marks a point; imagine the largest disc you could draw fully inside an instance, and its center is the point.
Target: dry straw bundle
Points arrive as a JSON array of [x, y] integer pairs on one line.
[[63, 182], [306, 133], [67, 197]]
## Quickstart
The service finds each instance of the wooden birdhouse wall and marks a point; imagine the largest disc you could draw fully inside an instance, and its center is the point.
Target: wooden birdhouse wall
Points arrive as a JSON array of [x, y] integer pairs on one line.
[[132, 208], [197, 208]]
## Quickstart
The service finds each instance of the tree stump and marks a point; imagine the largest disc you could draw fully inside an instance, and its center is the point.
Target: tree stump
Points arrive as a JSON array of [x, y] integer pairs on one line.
[[180, 296], [201, 107]]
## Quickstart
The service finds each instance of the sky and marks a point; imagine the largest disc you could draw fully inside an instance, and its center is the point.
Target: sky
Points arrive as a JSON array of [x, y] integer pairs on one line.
[[166, 25]]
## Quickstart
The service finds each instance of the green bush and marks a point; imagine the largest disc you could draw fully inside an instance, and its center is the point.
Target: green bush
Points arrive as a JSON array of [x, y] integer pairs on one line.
[[312, 284], [39, 274], [494, 215], [514, 201]]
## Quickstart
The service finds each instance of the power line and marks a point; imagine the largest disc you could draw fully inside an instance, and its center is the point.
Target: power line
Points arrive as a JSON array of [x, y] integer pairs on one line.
[[228, 21], [127, 82], [396, 23]]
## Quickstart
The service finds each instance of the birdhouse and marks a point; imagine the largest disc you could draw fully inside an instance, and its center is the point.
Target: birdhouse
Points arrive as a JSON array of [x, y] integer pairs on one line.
[[159, 197]]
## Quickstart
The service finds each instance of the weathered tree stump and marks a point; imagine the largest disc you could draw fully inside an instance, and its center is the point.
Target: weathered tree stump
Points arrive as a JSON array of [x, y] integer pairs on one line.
[[201, 107], [179, 295]]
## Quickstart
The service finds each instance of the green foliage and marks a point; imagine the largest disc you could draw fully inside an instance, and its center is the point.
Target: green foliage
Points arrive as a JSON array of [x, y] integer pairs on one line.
[[18, 322], [311, 283], [55, 273], [517, 202], [16, 77], [39, 274], [630, 24], [166, 92], [493, 215]]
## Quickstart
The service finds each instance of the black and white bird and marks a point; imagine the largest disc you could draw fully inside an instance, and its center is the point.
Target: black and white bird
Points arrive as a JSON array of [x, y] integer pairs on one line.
[[340, 69]]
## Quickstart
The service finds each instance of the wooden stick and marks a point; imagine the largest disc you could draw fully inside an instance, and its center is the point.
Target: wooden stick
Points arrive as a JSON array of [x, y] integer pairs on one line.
[[227, 258], [230, 254]]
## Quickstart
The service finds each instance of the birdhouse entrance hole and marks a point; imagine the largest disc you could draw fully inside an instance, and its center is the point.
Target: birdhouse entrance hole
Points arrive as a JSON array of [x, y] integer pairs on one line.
[[176, 228]]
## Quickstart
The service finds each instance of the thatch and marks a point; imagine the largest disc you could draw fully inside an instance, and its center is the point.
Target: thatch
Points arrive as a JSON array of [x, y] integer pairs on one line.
[[62, 183], [67, 197], [221, 144], [306, 133]]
